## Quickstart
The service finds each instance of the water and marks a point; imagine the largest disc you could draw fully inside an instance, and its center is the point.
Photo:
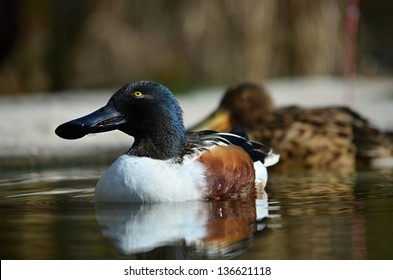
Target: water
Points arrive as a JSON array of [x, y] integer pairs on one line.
[[51, 214]]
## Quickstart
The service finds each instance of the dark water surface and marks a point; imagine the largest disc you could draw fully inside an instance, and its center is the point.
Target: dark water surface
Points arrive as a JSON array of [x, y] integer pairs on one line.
[[51, 214]]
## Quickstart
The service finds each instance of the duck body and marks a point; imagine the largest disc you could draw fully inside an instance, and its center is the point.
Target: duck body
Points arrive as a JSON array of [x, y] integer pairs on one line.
[[310, 137], [143, 179], [165, 163], [316, 138]]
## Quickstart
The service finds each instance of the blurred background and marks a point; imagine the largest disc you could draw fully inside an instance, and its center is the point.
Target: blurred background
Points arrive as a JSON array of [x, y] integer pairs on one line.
[[53, 45], [62, 59]]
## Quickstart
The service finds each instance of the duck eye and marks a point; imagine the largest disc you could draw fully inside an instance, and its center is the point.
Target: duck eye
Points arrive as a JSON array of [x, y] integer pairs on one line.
[[138, 94]]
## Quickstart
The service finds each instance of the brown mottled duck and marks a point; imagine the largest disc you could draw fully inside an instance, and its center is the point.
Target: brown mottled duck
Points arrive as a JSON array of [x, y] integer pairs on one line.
[[314, 138]]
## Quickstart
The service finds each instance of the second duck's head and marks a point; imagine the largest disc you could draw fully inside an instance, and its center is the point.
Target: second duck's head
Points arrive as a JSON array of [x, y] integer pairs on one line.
[[146, 110], [241, 106]]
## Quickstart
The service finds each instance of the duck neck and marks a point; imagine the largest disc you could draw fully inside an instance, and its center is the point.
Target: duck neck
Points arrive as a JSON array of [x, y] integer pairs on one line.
[[160, 141]]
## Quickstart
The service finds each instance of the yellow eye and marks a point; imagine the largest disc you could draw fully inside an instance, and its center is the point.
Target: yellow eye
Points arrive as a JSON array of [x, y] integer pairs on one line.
[[138, 94]]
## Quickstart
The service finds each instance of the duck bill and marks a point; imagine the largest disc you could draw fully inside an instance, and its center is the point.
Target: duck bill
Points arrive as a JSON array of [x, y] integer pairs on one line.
[[104, 119], [218, 121]]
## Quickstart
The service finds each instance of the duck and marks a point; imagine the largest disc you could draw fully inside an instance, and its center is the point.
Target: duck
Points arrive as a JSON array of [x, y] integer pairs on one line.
[[306, 138], [166, 163]]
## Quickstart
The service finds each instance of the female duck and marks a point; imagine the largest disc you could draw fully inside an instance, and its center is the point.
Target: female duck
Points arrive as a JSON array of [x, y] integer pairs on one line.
[[165, 163], [327, 137]]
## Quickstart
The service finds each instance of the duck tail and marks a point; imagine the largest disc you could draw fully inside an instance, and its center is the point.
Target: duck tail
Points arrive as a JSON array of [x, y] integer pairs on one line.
[[271, 159]]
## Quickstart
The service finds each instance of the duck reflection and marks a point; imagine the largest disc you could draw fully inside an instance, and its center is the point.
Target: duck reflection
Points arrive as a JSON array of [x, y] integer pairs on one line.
[[321, 216], [312, 192], [200, 229]]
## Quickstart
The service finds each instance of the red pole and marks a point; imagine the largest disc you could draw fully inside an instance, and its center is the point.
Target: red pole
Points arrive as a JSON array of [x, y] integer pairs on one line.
[[351, 28]]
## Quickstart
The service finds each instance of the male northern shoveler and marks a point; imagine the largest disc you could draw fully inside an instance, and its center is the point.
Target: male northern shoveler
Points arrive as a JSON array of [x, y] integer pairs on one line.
[[306, 138], [165, 163]]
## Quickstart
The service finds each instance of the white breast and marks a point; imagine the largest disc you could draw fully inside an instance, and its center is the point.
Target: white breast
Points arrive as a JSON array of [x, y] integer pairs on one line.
[[142, 179]]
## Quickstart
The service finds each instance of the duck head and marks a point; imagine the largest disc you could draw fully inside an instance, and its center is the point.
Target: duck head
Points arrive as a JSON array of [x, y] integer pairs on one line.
[[146, 110], [241, 106]]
